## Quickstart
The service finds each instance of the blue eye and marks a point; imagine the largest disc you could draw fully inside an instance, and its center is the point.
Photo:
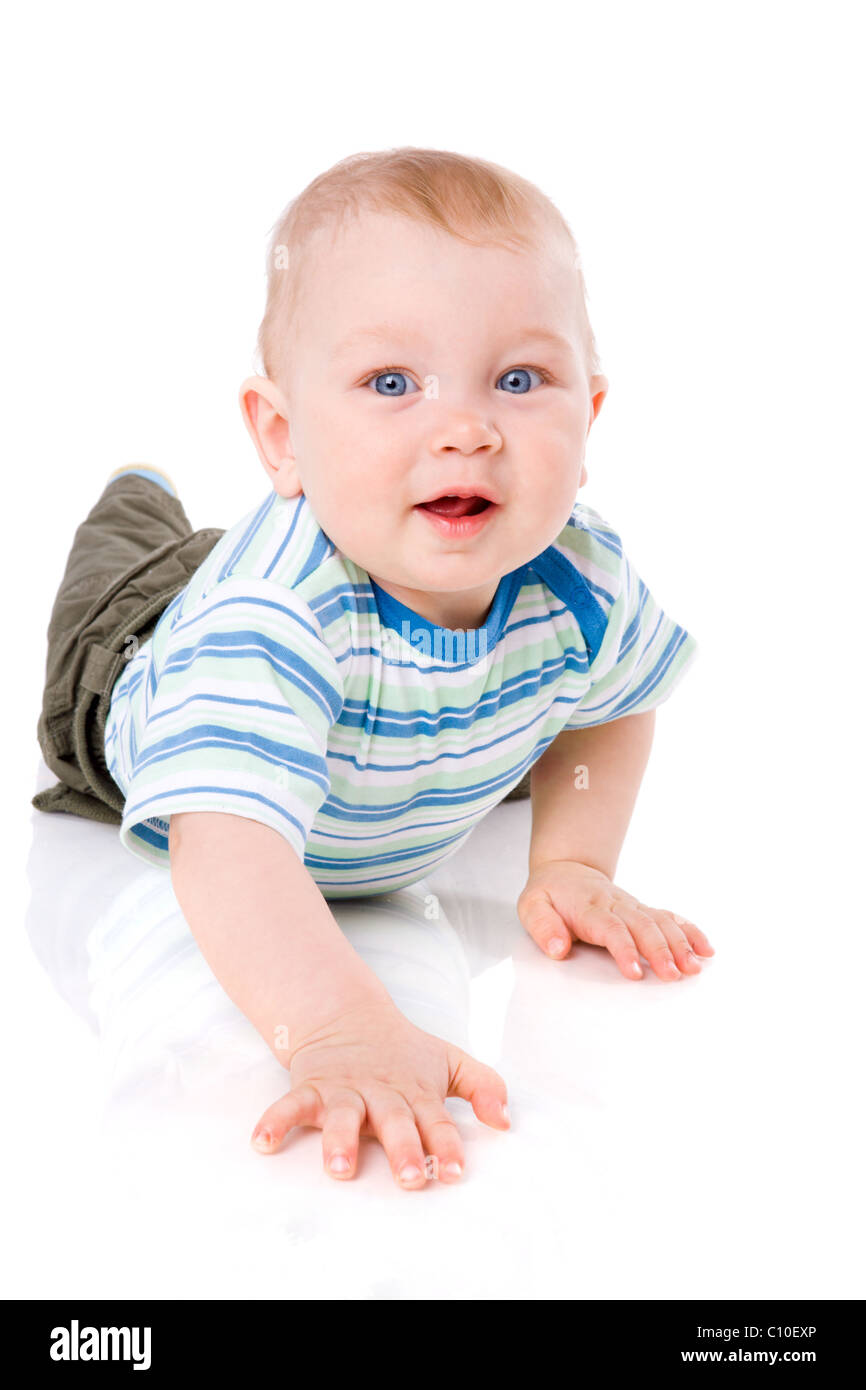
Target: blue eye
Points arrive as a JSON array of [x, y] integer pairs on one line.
[[392, 383], [518, 380]]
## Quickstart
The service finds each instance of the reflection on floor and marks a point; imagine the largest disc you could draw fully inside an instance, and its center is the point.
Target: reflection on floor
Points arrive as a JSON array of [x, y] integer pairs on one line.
[[652, 1124]]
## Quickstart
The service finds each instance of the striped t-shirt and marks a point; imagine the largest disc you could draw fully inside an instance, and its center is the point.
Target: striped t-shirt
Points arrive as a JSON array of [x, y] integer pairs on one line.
[[284, 685]]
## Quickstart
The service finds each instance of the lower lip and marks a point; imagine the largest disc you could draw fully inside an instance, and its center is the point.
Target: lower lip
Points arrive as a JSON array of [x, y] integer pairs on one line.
[[460, 527]]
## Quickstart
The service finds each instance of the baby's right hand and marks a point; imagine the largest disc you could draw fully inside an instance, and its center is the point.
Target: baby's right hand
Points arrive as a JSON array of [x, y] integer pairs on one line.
[[371, 1071]]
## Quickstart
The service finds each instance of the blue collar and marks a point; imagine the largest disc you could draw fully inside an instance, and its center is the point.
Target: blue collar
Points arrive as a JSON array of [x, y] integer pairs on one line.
[[393, 613]]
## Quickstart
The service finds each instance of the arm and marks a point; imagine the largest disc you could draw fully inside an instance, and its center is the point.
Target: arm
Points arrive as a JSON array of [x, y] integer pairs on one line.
[[264, 927], [356, 1063], [579, 823], [588, 823]]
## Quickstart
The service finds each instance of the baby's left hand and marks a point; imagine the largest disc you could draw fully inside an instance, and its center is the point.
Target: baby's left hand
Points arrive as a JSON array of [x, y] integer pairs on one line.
[[563, 899]]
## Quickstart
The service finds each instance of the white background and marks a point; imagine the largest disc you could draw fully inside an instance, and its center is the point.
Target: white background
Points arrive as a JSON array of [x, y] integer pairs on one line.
[[702, 1139]]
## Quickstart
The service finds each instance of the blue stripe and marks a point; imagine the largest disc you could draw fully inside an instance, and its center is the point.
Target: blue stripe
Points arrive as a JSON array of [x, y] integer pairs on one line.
[[149, 836], [356, 714], [239, 646], [287, 538], [655, 676], [578, 594], [339, 809], [606, 538], [321, 549], [248, 534], [140, 807], [253, 601], [349, 887], [394, 857], [167, 711], [309, 765]]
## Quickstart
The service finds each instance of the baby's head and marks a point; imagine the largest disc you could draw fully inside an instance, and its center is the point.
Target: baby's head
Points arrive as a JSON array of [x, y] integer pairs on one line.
[[426, 335]]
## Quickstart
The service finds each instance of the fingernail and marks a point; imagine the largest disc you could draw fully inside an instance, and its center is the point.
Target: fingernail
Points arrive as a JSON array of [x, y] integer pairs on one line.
[[557, 945], [505, 1114], [263, 1137], [453, 1170], [410, 1173], [339, 1163], [636, 970]]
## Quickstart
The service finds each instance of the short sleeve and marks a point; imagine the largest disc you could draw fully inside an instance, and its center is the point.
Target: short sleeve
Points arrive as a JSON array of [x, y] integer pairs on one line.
[[240, 700], [643, 653]]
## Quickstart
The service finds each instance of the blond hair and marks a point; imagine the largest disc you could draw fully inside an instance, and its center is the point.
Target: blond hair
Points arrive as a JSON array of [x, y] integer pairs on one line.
[[469, 198]]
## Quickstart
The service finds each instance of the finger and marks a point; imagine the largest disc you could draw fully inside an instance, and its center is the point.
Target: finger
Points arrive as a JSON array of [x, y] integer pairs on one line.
[[650, 941], [600, 926], [481, 1086], [546, 927], [441, 1139], [676, 938], [301, 1107], [344, 1116], [696, 937], [395, 1128]]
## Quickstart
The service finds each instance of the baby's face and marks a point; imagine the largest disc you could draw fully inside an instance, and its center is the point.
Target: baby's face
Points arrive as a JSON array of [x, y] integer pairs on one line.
[[426, 368]]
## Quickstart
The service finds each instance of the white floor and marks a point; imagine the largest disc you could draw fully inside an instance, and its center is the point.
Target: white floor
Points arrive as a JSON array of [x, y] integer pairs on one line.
[[696, 1139], [692, 1140]]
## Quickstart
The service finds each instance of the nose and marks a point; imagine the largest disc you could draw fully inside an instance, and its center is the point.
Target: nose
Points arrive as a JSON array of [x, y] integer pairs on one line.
[[465, 433]]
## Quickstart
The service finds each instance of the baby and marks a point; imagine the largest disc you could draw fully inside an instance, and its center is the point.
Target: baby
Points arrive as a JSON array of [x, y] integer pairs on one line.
[[416, 614]]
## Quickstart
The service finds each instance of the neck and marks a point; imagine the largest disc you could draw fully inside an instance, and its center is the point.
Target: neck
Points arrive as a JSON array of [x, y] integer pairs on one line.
[[464, 610]]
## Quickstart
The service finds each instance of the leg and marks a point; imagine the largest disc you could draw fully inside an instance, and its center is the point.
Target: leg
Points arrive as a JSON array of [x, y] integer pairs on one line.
[[131, 518], [134, 551]]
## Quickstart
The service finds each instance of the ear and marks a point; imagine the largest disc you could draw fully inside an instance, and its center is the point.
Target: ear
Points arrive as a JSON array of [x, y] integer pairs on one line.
[[598, 389], [265, 413]]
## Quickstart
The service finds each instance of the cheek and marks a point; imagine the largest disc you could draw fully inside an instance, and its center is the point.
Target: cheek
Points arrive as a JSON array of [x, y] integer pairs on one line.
[[327, 437], [544, 494], [347, 490], [555, 429], [547, 468]]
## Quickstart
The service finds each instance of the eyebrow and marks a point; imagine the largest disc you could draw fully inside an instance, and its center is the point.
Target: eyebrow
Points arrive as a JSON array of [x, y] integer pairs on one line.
[[389, 333]]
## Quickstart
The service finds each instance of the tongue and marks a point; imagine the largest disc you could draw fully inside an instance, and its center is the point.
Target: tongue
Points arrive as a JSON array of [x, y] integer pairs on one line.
[[456, 506]]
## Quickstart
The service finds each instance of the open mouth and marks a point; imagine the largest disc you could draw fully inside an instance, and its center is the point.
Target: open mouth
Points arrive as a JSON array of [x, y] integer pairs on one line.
[[456, 507]]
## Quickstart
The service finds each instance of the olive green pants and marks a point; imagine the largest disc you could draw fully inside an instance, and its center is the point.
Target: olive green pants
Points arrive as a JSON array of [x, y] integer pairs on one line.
[[130, 557]]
